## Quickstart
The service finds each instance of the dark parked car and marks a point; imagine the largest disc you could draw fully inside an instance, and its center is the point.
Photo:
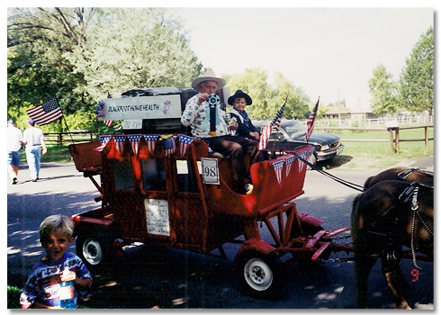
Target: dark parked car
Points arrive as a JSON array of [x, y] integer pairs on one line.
[[291, 135]]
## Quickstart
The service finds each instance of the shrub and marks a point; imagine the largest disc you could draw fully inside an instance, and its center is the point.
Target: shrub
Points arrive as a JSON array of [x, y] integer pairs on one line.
[[13, 297]]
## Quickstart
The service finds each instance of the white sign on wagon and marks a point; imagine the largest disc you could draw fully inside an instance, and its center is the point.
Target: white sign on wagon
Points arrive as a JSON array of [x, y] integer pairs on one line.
[[158, 222], [132, 124], [210, 171], [143, 107]]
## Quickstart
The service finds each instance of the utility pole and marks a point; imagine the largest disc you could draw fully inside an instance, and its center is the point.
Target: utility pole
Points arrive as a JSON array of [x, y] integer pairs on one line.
[[338, 106]]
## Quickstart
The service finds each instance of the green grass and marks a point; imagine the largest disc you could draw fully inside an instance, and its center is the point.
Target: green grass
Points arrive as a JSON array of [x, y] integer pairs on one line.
[[378, 154], [54, 154]]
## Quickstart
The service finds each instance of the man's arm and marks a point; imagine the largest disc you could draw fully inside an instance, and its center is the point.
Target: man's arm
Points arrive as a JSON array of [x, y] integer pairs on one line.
[[190, 112], [43, 144]]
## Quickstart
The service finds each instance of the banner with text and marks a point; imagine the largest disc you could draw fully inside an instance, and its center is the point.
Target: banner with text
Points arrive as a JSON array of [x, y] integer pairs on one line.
[[144, 107]]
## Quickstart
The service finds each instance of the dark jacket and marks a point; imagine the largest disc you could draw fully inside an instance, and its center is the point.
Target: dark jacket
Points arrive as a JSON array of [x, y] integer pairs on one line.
[[245, 124]]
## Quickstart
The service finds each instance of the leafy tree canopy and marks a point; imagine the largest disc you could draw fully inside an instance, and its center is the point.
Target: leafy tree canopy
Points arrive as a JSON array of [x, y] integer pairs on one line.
[[80, 54], [384, 92], [268, 99], [417, 78]]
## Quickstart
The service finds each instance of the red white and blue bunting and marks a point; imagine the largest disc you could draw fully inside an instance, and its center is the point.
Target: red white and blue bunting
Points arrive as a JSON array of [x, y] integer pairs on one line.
[[289, 162], [168, 143], [278, 166]]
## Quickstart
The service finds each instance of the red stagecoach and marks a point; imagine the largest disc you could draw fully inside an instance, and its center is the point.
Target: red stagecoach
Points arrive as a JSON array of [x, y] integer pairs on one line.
[[171, 191]]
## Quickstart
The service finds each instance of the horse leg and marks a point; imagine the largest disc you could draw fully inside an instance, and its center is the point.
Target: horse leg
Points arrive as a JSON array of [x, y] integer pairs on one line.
[[396, 282], [363, 266]]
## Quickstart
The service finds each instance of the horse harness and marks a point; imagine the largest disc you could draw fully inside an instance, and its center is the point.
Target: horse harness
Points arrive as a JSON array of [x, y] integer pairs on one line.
[[404, 174], [394, 238]]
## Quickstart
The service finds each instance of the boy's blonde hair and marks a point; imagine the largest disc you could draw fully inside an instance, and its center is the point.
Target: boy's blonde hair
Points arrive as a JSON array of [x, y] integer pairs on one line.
[[53, 223]]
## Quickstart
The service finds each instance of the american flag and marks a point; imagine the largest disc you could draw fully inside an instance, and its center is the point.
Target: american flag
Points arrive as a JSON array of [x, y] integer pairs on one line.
[[134, 142], [310, 122], [108, 123], [151, 143], [269, 128], [46, 113], [278, 166], [184, 142], [169, 146]]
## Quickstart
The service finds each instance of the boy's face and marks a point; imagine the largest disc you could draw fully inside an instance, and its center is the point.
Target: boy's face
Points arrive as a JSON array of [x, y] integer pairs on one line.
[[56, 244], [239, 104]]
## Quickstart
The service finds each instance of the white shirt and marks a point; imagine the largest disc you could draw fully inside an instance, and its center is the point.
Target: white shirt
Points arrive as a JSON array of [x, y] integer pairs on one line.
[[14, 137], [194, 116], [32, 136]]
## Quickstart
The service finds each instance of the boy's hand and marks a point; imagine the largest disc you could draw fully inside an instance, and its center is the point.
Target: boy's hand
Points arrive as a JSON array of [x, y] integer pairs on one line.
[[68, 276], [255, 135], [234, 126]]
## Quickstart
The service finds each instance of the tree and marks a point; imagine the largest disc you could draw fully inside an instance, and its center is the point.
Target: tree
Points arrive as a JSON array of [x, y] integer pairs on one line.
[[81, 54], [267, 100], [134, 48], [417, 78], [384, 92], [37, 69]]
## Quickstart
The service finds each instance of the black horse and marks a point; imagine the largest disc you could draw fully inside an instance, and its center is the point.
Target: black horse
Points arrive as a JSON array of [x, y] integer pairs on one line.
[[401, 173], [386, 217]]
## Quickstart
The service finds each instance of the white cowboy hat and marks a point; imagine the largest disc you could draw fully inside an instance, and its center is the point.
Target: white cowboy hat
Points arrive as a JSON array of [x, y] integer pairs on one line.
[[208, 76]]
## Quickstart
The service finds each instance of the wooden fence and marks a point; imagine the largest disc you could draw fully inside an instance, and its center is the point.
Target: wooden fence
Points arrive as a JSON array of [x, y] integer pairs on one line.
[[394, 142], [60, 138], [394, 136]]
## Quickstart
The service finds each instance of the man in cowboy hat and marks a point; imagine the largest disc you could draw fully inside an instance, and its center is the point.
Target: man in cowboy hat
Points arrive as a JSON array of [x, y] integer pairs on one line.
[[240, 100], [207, 120]]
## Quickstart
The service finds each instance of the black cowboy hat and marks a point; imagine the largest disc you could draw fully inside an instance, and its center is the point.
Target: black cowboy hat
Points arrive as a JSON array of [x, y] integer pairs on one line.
[[240, 94]]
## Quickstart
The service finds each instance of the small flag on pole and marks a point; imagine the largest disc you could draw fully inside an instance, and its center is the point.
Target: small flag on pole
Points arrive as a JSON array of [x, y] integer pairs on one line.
[[310, 122], [46, 113], [275, 123], [169, 146], [108, 123]]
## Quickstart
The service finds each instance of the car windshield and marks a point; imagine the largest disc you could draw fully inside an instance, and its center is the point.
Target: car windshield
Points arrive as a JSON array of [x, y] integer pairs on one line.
[[293, 128]]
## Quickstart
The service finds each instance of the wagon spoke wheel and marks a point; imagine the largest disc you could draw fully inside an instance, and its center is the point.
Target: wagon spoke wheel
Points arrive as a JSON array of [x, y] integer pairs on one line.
[[261, 275]]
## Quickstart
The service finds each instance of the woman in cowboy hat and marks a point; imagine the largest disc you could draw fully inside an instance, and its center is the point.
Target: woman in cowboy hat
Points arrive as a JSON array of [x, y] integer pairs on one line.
[[240, 100], [211, 126]]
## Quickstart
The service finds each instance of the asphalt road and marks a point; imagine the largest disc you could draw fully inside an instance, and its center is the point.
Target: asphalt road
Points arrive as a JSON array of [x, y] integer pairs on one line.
[[171, 278]]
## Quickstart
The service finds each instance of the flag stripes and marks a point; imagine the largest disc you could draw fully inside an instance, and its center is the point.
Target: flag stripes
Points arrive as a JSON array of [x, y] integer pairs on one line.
[[310, 122], [275, 123], [46, 113]]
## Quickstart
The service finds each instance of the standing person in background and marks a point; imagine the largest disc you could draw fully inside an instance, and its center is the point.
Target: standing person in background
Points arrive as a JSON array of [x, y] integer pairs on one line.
[[240, 100], [14, 142], [33, 139]]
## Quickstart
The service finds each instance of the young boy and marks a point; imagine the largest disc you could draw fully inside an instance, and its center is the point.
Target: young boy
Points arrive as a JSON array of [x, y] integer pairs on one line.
[[42, 290], [246, 128]]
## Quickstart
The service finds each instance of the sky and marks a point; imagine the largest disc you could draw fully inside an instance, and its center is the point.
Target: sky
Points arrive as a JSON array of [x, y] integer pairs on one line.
[[329, 52]]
